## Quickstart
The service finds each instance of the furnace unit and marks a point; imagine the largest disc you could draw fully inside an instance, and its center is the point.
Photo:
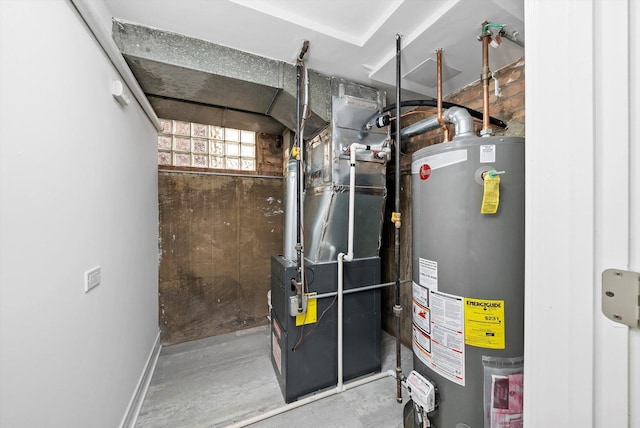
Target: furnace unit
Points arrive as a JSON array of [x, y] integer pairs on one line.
[[304, 345]]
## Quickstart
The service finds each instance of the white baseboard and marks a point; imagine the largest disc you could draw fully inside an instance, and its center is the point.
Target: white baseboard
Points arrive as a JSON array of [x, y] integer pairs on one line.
[[133, 409]]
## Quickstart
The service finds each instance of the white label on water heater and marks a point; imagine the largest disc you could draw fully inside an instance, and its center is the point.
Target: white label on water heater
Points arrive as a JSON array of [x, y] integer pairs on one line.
[[421, 316], [422, 346], [420, 295], [488, 153], [421, 324], [447, 336], [429, 274]]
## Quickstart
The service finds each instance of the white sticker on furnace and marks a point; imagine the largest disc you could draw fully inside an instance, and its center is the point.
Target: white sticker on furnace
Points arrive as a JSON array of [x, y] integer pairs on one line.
[[488, 153], [429, 274]]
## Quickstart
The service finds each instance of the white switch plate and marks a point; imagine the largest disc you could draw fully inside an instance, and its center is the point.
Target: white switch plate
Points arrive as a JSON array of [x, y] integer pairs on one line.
[[92, 278]]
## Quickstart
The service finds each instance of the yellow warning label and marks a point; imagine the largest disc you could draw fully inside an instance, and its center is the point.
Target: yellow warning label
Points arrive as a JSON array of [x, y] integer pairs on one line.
[[484, 323], [311, 316], [491, 196]]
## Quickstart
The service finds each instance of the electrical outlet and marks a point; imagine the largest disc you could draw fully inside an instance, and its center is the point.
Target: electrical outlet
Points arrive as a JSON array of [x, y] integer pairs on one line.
[[92, 278]]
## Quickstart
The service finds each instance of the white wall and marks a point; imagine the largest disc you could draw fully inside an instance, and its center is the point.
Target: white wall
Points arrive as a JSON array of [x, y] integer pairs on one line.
[[581, 209], [78, 188]]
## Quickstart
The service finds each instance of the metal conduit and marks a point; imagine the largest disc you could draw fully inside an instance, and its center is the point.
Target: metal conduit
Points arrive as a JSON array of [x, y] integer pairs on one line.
[[397, 309], [359, 289]]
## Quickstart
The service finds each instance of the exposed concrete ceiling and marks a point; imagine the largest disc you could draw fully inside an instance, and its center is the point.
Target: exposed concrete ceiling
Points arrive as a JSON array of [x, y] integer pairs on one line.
[[351, 39]]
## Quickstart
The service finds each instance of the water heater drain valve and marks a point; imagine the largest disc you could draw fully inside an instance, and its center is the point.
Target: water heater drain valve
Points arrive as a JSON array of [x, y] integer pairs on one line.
[[421, 391]]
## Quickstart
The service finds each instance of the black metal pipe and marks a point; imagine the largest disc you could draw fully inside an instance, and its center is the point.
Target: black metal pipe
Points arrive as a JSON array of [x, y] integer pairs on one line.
[[303, 51], [398, 307], [431, 103], [298, 146], [298, 282]]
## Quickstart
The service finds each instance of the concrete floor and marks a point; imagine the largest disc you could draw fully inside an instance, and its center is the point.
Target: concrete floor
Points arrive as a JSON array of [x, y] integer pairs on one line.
[[221, 380]]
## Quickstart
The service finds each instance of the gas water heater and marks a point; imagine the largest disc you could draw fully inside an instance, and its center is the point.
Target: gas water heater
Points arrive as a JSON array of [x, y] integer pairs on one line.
[[468, 279]]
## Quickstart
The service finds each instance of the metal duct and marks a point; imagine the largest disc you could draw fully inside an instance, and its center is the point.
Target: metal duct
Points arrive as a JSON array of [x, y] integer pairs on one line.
[[327, 179], [460, 117], [462, 120], [290, 210], [192, 79], [420, 127]]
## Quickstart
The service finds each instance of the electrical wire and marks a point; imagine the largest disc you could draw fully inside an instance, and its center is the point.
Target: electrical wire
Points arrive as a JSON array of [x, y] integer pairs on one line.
[[302, 336], [408, 113], [304, 321], [310, 270]]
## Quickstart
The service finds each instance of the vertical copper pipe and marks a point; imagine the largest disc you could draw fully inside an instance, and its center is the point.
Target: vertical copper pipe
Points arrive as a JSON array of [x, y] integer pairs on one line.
[[445, 129], [486, 38]]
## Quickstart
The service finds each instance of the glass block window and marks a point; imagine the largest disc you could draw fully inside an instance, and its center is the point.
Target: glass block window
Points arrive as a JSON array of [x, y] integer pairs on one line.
[[188, 144]]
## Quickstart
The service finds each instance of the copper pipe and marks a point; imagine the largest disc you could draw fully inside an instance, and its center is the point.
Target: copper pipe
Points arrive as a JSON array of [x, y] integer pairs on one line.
[[485, 76], [445, 129]]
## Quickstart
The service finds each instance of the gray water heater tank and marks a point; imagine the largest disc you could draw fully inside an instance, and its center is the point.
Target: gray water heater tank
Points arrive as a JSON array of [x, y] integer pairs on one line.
[[468, 278]]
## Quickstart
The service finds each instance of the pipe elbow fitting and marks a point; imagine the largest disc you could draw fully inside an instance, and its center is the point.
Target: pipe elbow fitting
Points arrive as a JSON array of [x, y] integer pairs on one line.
[[462, 120]]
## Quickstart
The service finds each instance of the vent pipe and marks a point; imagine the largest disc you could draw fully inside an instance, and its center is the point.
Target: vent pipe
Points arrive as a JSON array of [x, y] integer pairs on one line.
[[458, 116], [462, 120], [290, 217]]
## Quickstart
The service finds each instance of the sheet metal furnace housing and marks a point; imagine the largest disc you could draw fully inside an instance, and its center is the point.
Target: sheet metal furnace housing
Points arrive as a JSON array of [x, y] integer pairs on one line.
[[304, 357]]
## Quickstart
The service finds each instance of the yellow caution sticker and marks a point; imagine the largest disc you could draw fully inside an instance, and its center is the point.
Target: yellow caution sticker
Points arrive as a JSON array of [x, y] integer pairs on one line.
[[484, 323], [311, 316], [491, 196]]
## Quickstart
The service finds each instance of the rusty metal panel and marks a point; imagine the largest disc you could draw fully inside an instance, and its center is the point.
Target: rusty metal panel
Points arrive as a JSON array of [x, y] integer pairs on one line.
[[217, 233]]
